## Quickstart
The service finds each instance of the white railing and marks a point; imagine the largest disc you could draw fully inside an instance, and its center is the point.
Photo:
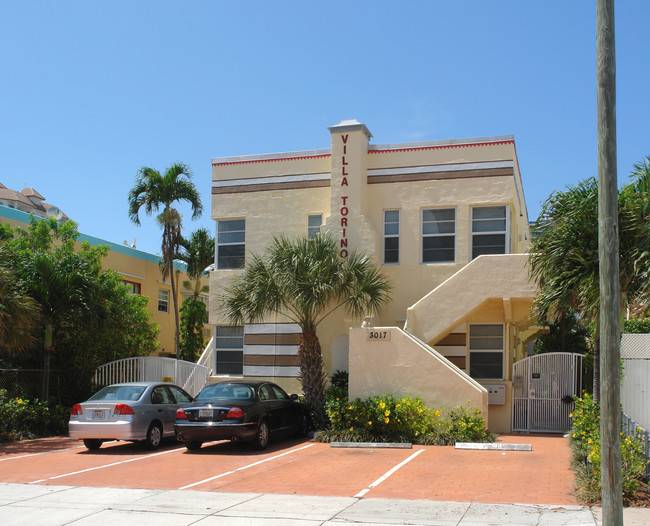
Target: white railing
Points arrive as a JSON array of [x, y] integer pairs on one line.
[[191, 376], [206, 357]]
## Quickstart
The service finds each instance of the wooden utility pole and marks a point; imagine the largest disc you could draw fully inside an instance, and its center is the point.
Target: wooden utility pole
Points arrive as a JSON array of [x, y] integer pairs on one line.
[[610, 415]]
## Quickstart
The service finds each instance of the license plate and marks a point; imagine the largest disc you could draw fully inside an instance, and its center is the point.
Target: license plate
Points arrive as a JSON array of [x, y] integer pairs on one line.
[[205, 413], [97, 415]]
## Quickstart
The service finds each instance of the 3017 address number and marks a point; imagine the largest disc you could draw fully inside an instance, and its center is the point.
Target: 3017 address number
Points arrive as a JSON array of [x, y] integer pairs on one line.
[[379, 335]]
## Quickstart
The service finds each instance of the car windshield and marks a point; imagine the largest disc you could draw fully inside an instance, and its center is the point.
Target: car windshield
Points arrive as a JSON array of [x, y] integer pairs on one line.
[[119, 392], [226, 392]]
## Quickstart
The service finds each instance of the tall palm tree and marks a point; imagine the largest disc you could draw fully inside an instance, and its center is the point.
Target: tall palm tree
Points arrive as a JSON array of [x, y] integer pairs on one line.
[[154, 191], [564, 260], [306, 280], [197, 254]]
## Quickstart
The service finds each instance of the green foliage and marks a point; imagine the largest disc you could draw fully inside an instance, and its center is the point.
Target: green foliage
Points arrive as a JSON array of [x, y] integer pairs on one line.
[[388, 418], [306, 280], [637, 326], [91, 316], [585, 448], [193, 317], [21, 418]]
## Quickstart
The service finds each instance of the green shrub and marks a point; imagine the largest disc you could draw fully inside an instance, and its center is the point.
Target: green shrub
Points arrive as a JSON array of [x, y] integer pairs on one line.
[[585, 451], [389, 419], [21, 418]]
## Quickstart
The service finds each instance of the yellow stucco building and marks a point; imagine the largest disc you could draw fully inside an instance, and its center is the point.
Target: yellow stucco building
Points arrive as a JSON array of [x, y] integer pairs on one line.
[[139, 270], [447, 223]]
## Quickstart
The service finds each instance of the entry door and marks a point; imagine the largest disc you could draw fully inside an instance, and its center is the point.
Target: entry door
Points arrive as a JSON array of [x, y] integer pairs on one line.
[[543, 389]]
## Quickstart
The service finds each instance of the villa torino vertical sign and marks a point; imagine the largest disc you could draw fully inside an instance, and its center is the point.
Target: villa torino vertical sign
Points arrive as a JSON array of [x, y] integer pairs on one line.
[[344, 210]]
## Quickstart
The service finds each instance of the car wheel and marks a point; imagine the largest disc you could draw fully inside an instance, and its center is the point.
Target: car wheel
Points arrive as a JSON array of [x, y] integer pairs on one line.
[[193, 445], [92, 443], [261, 439], [154, 436]]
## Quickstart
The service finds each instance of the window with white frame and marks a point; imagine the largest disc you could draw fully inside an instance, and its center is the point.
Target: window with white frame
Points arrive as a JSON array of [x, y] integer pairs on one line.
[[489, 230], [229, 347], [391, 237], [439, 235], [231, 243], [163, 300], [486, 351], [314, 222]]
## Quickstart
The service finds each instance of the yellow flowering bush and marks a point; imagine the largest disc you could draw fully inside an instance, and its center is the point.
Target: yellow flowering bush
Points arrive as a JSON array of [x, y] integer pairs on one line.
[[22, 418], [584, 438]]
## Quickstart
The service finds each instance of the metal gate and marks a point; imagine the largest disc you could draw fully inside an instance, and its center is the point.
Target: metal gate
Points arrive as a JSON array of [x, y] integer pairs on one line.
[[543, 389]]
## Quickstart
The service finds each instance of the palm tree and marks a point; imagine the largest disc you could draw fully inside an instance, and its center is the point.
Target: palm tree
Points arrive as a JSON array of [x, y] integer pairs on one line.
[[154, 191], [60, 285], [564, 254], [306, 280], [197, 254], [18, 311]]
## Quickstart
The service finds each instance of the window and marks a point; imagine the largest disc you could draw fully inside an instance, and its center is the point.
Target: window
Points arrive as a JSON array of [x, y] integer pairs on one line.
[[439, 235], [486, 352], [391, 237], [231, 238], [489, 227], [314, 222], [134, 288], [163, 300], [229, 345]]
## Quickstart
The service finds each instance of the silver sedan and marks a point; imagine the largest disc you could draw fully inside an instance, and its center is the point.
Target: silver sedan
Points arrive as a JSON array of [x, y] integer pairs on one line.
[[136, 411]]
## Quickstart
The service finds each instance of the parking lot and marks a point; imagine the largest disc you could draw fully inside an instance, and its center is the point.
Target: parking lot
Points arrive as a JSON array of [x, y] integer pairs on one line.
[[305, 467]]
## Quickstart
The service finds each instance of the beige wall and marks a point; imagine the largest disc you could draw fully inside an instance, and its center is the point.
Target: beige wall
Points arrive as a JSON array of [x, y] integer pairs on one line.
[[275, 193], [401, 366]]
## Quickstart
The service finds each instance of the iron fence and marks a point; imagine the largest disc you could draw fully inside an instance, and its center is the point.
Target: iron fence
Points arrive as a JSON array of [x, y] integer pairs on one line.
[[22, 382], [631, 428]]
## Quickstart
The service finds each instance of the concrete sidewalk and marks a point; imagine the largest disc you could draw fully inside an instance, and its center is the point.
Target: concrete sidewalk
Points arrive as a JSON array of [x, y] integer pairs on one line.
[[38, 505]]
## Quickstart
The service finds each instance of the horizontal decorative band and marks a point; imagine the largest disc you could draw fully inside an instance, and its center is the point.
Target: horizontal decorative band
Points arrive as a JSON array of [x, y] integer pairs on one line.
[[457, 167], [272, 371], [437, 176], [271, 360], [270, 187], [441, 147], [454, 338], [285, 350], [272, 339], [258, 160], [270, 328]]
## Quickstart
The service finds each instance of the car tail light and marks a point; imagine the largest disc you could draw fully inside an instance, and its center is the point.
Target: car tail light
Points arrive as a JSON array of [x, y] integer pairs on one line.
[[180, 414], [76, 409], [235, 412], [123, 409]]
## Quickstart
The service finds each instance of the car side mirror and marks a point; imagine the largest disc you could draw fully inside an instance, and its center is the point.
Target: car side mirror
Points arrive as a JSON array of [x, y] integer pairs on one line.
[[294, 397]]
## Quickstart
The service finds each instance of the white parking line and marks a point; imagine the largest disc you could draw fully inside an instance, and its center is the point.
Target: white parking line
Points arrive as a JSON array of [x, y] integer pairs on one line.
[[41, 453], [108, 465], [388, 473], [245, 467]]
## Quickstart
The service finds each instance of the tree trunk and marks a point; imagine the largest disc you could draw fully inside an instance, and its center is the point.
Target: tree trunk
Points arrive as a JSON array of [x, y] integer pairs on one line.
[[596, 379], [47, 348], [170, 263], [312, 373]]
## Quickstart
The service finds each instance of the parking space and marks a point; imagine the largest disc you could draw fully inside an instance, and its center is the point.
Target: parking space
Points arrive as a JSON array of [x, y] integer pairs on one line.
[[303, 467]]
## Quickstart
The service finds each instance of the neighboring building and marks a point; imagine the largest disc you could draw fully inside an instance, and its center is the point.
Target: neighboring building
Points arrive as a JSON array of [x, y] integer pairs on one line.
[[447, 222], [30, 201], [140, 271]]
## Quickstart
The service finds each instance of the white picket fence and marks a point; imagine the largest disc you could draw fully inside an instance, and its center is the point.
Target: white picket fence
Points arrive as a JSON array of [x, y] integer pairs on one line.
[[190, 376]]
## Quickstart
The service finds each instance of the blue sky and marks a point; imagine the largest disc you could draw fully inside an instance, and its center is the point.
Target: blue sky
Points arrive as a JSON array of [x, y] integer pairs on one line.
[[92, 91]]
